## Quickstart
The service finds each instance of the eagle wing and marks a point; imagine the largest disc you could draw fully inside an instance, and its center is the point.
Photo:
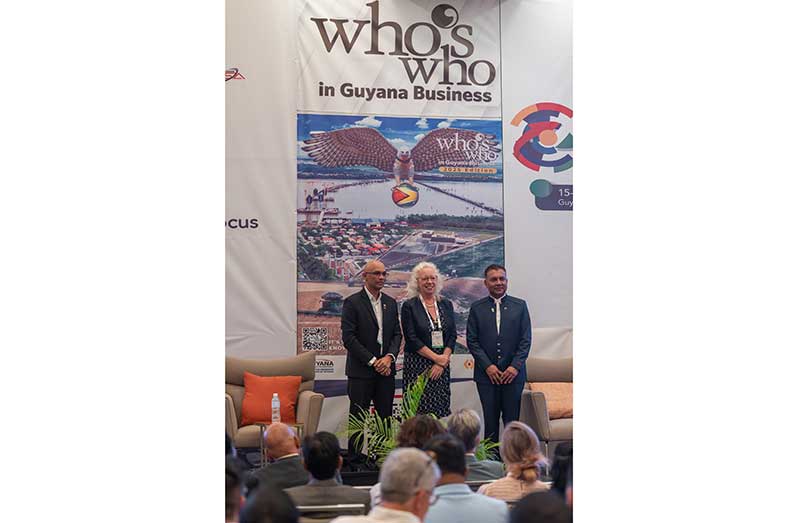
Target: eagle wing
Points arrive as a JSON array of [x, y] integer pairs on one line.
[[438, 148], [352, 146]]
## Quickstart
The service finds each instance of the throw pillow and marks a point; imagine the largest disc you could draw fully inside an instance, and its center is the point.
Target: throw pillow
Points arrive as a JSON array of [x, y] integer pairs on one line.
[[559, 398], [257, 403]]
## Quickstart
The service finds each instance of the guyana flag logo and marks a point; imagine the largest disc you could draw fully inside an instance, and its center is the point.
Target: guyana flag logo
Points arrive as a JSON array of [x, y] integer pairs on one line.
[[405, 195]]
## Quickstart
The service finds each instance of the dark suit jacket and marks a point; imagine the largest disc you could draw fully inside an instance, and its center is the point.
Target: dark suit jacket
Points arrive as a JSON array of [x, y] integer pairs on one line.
[[281, 474], [359, 333], [328, 492], [508, 347], [485, 470], [415, 324]]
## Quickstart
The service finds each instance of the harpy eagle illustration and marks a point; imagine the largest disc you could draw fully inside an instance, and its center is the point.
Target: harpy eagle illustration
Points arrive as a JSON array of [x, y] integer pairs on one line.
[[367, 146]]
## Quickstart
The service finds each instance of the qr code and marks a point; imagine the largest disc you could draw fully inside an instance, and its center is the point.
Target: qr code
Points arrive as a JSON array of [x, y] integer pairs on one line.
[[314, 338]]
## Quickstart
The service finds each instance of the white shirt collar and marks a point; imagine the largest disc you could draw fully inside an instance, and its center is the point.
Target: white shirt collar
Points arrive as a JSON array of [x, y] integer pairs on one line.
[[371, 296], [498, 300]]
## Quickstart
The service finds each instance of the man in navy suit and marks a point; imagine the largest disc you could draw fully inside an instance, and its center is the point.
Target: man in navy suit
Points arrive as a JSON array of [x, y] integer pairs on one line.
[[371, 334], [499, 336]]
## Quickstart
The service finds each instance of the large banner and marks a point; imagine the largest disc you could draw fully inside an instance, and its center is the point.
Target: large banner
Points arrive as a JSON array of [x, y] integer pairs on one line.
[[400, 58], [399, 158]]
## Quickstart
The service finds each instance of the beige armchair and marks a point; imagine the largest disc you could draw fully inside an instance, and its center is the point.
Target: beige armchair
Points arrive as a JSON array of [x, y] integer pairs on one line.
[[534, 411], [308, 407]]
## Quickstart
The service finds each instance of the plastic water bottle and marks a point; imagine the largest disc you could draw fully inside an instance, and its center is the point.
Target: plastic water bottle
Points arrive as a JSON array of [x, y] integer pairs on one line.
[[275, 408]]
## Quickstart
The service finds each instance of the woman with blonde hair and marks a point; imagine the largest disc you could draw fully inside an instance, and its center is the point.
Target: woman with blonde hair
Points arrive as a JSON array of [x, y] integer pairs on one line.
[[520, 451], [430, 335]]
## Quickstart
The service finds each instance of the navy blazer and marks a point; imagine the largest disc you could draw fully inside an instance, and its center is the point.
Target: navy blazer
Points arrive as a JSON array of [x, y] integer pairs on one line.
[[359, 333], [508, 347], [416, 328]]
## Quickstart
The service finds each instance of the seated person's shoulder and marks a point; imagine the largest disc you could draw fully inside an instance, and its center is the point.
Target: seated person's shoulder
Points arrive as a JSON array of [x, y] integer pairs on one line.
[[485, 470], [497, 504], [361, 495], [294, 490], [492, 491], [494, 465]]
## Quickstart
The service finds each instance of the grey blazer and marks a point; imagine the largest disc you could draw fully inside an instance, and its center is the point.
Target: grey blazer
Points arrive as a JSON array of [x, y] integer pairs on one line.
[[282, 474], [484, 470], [328, 492]]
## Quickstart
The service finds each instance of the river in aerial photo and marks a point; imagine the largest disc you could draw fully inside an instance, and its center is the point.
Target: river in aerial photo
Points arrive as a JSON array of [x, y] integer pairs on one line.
[[373, 200]]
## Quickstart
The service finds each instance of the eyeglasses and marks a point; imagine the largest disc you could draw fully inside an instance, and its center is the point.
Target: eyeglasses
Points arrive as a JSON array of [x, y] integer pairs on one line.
[[378, 273], [416, 487], [432, 497]]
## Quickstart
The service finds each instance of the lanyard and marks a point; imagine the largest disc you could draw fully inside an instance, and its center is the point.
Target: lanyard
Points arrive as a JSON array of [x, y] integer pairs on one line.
[[437, 313]]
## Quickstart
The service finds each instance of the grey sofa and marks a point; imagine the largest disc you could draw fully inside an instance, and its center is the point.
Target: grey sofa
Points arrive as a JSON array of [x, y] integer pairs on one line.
[[534, 411]]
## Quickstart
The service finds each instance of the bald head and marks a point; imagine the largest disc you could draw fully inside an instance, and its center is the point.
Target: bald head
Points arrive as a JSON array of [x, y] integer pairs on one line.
[[374, 265], [280, 440], [374, 276]]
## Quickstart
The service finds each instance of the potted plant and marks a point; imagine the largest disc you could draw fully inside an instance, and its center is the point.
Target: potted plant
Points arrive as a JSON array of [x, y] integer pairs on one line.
[[380, 433]]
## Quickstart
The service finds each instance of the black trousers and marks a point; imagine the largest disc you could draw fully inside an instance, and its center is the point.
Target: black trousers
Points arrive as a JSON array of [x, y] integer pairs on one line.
[[362, 391], [499, 401]]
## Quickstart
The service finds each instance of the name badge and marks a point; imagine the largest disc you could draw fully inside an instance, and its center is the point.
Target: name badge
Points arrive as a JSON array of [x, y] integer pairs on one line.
[[437, 339]]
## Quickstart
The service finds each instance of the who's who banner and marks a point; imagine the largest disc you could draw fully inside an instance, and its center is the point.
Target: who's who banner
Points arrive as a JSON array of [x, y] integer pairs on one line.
[[398, 157]]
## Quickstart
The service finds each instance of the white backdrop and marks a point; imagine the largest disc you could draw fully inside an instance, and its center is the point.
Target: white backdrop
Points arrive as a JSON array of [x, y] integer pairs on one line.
[[536, 64], [262, 86], [261, 179]]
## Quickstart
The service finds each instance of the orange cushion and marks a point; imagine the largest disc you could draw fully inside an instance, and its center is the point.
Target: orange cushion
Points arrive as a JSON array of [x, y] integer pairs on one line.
[[559, 398], [257, 403]]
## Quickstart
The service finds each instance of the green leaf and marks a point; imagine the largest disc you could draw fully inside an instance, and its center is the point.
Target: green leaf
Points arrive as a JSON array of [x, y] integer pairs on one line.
[[486, 449], [380, 433]]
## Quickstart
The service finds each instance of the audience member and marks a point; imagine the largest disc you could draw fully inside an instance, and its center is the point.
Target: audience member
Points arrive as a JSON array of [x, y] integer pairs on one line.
[[456, 501], [285, 468], [229, 448], [569, 488], [232, 497], [408, 478], [561, 467], [520, 451], [321, 456], [414, 433], [466, 425], [541, 507], [269, 505]]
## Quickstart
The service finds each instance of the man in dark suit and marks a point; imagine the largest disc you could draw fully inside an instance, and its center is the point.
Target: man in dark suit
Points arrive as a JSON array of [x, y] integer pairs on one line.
[[285, 467], [322, 458], [499, 336], [371, 334]]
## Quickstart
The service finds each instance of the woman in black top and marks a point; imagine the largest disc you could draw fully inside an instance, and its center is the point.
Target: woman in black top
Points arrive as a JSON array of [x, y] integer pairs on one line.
[[430, 334]]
